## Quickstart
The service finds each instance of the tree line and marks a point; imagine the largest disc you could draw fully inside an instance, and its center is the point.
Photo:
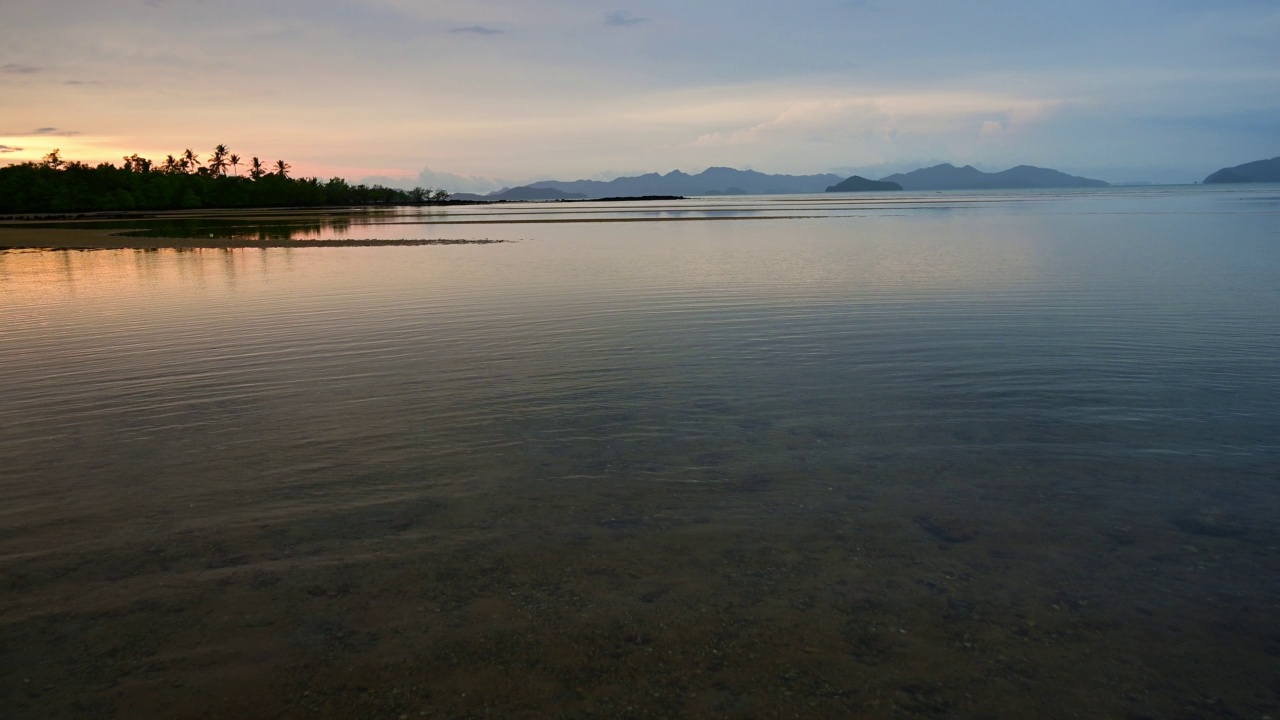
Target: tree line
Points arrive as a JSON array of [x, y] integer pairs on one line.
[[55, 185]]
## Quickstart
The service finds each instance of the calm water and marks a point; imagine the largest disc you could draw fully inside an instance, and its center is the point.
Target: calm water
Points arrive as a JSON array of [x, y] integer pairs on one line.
[[988, 455]]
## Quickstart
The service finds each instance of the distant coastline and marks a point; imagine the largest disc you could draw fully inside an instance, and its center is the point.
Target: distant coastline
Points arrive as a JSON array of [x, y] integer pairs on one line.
[[719, 181], [71, 189]]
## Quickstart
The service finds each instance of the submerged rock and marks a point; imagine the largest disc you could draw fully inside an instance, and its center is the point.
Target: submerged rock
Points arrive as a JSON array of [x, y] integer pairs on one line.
[[952, 530], [1211, 522]]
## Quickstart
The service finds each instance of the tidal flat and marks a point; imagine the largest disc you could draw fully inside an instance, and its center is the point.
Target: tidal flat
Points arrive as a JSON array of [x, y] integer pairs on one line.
[[949, 455]]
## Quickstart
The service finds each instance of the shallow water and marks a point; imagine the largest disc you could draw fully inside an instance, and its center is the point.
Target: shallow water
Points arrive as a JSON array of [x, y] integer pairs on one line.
[[990, 455]]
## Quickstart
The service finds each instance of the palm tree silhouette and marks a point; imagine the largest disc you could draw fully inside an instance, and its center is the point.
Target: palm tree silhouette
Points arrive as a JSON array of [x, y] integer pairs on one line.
[[218, 160], [234, 159], [189, 161], [282, 168], [171, 165], [255, 170], [137, 164]]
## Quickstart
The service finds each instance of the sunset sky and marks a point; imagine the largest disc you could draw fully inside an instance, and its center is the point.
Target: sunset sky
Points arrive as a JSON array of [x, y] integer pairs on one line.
[[473, 95]]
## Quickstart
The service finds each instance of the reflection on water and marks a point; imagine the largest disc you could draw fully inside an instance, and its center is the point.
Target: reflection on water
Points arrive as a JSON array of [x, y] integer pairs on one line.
[[1016, 458], [408, 222]]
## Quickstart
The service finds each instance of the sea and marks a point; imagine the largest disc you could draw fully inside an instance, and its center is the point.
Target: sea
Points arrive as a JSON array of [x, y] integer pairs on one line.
[[1000, 454]]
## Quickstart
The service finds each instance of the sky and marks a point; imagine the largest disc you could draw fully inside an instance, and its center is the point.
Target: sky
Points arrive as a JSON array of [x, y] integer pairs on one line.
[[475, 95]]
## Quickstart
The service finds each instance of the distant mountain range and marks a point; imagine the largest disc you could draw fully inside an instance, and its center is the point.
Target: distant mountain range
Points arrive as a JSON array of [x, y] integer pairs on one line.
[[524, 192], [1254, 172], [727, 181], [950, 177], [712, 181]]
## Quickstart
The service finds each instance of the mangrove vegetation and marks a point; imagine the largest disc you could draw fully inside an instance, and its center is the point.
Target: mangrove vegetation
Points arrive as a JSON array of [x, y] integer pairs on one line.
[[182, 182]]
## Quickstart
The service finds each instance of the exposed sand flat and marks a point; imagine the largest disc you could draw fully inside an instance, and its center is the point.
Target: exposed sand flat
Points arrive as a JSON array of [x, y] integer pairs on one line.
[[38, 238]]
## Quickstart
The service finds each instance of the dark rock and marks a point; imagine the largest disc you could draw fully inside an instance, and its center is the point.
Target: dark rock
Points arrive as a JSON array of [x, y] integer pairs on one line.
[[861, 184], [952, 530], [1210, 522]]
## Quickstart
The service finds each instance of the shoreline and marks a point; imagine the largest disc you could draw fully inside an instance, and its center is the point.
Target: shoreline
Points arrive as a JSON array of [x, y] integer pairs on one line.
[[288, 211], [38, 238]]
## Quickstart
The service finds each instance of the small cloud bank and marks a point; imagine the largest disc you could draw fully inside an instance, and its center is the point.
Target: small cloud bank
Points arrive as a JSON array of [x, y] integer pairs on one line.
[[476, 30], [17, 69], [9, 149], [622, 18], [991, 130], [441, 180]]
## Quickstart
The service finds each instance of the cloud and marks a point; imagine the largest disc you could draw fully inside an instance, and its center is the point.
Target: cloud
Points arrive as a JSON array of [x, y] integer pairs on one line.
[[54, 132], [448, 181], [81, 82], [17, 69], [991, 130], [932, 114], [477, 30], [1264, 121], [42, 132], [622, 18], [462, 183], [9, 149]]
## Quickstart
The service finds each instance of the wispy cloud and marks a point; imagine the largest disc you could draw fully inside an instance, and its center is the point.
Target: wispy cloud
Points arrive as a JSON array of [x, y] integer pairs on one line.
[[82, 82], [477, 30], [41, 132], [622, 18], [18, 69], [9, 149]]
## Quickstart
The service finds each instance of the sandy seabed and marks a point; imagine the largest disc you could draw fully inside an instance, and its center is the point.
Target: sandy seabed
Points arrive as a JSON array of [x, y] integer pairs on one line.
[[619, 600]]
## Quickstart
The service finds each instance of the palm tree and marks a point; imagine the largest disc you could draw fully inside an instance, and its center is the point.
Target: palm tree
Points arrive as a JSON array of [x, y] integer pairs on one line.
[[234, 159], [137, 164], [218, 160], [255, 170], [282, 168], [189, 161], [171, 165]]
